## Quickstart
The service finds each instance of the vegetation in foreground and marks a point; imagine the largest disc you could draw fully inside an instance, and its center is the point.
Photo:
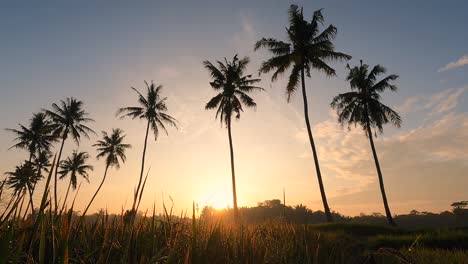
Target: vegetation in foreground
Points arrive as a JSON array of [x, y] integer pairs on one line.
[[167, 238]]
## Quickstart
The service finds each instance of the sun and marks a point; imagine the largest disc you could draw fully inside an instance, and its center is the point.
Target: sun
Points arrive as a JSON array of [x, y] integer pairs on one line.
[[216, 198]]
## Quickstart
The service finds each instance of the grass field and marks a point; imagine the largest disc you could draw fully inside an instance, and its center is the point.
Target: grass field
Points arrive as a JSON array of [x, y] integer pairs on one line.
[[175, 239]]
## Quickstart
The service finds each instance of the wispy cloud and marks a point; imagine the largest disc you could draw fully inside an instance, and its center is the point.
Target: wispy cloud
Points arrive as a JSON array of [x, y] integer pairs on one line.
[[455, 64], [434, 152], [439, 103]]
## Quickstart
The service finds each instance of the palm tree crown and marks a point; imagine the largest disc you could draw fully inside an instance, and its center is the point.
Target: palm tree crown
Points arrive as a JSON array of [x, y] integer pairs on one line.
[[75, 166], [22, 179], [233, 87], [152, 108], [305, 49], [70, 118], [112, 148], [42, 162], [362, 105], [37, 137]]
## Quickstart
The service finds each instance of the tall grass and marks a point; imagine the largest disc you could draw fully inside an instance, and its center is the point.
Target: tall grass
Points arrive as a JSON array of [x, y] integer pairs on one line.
[[66, 237]]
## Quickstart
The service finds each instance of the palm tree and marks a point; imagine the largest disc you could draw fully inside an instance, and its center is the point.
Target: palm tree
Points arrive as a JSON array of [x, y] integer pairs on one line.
[[41, 161], [37, 137], [153, 108], [68, 118], [362, 107], [22, 179], [305, 49], [112, 148], [233, 87], [75, 166]]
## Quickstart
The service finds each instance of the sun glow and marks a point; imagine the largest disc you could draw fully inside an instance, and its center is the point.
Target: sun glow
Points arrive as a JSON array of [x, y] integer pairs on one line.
[[217, 199]]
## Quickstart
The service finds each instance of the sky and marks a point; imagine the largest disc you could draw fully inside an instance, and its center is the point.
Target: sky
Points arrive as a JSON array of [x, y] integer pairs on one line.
[[96, 50]]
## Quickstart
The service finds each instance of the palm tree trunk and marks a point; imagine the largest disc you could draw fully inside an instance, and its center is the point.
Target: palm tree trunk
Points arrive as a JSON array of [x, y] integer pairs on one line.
[[314, 151], [379, 173], [30, 191], [98, 189], [142, 167], [233, 174], [56, 171], [66, 196]]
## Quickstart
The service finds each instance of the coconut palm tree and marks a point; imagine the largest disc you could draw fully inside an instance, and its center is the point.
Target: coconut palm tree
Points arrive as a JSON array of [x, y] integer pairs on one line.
[[112, 148], [362, 107], [37, 137], [68, 118], [22, 179], [75, 165], [153, 109], [41, 162], [233, 88], [306, 48]]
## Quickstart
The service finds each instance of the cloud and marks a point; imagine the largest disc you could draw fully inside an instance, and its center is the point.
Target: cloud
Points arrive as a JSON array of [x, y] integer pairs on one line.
[[243, 39], [427, 163], [455, 64], [436, 104]]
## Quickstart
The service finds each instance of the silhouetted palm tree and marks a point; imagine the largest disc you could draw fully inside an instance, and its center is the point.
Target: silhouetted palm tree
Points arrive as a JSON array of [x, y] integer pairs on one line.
[[153, 108], [362, 107], [37, 137], [306, 49], [68, 118], [23, 179], [233, 87], [41, 162], [112, 148], [75, 166]]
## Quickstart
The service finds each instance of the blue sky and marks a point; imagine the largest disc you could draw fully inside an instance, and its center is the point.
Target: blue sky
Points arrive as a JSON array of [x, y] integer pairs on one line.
[[96, 50]]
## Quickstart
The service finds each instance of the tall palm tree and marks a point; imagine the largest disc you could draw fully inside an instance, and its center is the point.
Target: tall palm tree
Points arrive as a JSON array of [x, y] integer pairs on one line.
[[68, 118], [233, 88], [75, 165], [37, 137], [112, 148], [22, 179], [362, 107], [153, 108], [306, 48]]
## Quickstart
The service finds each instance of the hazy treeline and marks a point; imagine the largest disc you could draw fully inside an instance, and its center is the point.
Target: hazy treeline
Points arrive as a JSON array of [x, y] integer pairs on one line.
[[301, 214]]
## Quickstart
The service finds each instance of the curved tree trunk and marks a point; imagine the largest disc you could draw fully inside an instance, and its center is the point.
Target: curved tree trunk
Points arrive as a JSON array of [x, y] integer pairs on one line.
[[142, 168], [55, 174], [66, 196], [98, 189], [233, 174], [314, 151], [379, 173]]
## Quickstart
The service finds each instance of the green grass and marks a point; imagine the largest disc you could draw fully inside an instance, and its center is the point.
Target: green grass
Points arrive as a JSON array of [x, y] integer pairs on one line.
[[171, 239]]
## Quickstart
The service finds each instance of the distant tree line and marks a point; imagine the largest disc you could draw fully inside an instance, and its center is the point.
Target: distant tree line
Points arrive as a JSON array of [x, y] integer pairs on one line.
[[274, 210]]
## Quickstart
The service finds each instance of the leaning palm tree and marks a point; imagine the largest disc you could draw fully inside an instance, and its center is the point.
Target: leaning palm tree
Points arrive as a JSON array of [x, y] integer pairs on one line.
[[35, 138], [75, 165], [362, 107], [233, 88], [153, 108], [22, 179], [112, 148], [68, 118], [307, 48]]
